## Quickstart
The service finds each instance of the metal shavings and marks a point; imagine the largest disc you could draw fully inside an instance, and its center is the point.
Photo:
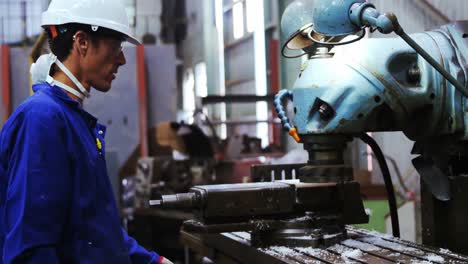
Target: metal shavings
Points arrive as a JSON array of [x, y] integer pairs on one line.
[[420, 262], [360, 245], [435, 258], [391, 245], [356, 254]]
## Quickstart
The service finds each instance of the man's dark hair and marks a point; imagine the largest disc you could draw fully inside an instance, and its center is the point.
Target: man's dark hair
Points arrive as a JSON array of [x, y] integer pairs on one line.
[[61, 45]]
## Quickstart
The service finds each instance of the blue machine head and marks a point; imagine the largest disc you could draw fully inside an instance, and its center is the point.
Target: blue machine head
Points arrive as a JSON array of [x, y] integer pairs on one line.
[[296, 20], [332, 18], [415, 84], [378, 85], [382, 85]]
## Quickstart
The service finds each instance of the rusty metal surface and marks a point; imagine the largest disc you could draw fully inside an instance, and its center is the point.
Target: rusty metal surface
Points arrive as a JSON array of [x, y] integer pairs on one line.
[[362, 246]]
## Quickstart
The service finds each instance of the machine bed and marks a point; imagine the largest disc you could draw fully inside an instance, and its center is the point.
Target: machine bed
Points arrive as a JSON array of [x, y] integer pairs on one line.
[[362, 246]]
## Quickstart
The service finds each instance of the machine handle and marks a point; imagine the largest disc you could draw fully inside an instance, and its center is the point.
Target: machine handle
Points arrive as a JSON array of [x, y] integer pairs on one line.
[[280, 99]]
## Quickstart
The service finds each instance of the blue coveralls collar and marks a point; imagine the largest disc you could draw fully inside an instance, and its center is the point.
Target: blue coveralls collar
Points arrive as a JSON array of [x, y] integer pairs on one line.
[[62, 95], [57, 92]]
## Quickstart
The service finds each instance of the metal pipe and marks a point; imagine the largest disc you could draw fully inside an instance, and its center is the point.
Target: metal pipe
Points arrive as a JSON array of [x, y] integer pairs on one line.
[[433, 11], [5, 78], [273, 53], [24, 22], [142, 103], [215, 99]]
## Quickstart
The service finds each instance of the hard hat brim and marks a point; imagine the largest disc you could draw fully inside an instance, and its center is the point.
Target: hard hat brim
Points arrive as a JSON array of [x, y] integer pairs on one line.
[[133, 40], [60, 18]]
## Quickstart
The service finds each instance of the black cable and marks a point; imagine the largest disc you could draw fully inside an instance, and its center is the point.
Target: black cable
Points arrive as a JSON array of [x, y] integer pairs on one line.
[[401, 181], [388, 182]]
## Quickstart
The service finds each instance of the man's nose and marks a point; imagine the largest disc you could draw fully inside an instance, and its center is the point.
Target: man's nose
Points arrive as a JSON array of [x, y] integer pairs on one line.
[[121, 59]]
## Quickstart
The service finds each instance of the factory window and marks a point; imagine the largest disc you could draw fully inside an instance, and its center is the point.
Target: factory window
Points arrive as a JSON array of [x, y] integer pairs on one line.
[[201, 83], [243, 70], [130, 6], [241, 14], [238, 19], [201, 86], [189, 90], [257, 19], [20, 20], [220, 109], [250, 9]]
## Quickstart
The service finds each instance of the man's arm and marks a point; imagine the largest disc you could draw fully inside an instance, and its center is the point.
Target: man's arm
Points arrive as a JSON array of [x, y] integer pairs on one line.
[[140, 255], [39, 189]]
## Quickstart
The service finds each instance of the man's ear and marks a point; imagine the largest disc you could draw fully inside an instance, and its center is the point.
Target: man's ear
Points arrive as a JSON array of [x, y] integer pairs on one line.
[[81, 42]]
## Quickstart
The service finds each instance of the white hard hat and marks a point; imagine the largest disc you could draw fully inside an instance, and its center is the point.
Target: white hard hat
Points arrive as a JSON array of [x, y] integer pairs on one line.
[[108, 14]]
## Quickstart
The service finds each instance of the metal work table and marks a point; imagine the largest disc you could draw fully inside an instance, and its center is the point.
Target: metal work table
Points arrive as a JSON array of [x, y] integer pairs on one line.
[[362, 246]]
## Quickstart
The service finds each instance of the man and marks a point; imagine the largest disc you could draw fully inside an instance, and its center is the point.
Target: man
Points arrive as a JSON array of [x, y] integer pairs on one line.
[[56, 201]]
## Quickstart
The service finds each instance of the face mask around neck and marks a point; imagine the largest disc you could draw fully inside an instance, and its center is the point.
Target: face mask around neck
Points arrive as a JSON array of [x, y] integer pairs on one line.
[[40, 74]]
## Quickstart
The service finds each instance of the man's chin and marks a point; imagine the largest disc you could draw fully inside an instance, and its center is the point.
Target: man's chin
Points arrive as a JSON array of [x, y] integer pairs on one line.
[[103, 88]]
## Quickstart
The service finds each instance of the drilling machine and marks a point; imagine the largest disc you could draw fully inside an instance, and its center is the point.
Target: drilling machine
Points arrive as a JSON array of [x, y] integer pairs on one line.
[[415, 84]]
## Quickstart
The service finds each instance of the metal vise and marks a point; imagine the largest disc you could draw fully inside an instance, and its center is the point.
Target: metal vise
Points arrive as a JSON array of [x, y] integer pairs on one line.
[[275, 212]]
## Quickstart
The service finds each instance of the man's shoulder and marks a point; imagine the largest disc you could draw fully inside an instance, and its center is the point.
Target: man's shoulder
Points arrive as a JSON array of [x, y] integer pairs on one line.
[[38, 114], [38, 107], [41, 102]]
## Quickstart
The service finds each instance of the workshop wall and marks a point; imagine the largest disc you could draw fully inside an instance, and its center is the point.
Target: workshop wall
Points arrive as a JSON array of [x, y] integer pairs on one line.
[[452, 9]]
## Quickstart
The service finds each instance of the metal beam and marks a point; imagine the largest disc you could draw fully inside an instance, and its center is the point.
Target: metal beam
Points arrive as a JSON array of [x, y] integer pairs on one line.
[[5, 79], [216, 99], [142, 103], [273, 122], [274, 64]]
